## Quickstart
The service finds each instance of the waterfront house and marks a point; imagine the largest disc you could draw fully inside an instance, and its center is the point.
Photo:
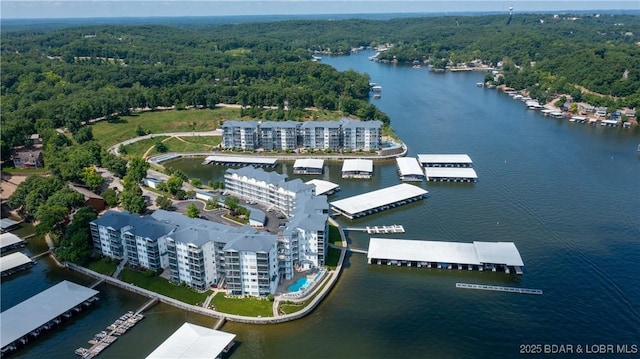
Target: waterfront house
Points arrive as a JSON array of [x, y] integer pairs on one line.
[[251, 265], [91, 199], [361, 135], [321, 135], [278, 135]]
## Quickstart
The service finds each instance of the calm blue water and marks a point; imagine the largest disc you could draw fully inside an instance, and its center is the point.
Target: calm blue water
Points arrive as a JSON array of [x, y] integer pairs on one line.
[[567, 194], [298, 284]]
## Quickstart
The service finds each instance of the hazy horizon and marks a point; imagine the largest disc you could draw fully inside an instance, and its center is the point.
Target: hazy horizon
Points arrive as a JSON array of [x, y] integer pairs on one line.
[[71, 9]]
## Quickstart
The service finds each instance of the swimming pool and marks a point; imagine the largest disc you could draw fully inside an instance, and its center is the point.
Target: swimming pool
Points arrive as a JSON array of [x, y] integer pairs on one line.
[[298, 284]]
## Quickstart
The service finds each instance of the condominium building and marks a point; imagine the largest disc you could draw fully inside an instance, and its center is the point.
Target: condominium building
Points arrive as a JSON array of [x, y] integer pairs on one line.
[[361, 135], [240, 135], [251, 263], [289, 135], [278, 135], [268, 188], [321, 135]]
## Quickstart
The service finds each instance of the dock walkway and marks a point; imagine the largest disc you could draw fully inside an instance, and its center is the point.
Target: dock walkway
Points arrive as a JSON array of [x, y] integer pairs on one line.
[[498, 288], [105, 338], [394, 228]]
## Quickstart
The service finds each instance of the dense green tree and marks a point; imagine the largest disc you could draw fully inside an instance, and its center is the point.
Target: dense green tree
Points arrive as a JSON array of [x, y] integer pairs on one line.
[[232, 202], [164, 202], [174, 183], [76, 245], [196, 182], [131, 197], [49, 216], [110, 196], [83, 135], [32, 193], [192, 211], [137, 169], [92, 178], [65, 197]]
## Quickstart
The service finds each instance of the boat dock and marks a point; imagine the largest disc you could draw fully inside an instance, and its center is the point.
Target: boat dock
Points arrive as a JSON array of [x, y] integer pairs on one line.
[[394, 228], [105, 338], [14, 262], [498, 288], [409, 169], [493, 256], [9, 241], [241, 161], [377, 201], [38, 314]]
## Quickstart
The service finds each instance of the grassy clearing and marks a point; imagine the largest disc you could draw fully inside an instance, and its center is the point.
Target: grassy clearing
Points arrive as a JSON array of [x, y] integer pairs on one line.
[[137, 149], [21, 171], [109, 133], [250, 307], [103, 266], [162, 286], [188, 145]]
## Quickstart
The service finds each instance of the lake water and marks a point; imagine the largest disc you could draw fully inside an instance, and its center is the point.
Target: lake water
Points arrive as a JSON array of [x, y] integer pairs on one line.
[[567, 194]]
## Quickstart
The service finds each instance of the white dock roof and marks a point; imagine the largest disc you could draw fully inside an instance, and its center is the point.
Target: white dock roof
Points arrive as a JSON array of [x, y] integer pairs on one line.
[[409, 166], [13, 260], [192, 341], [241, 159], [36, 311], [322, 186], [309, 163], [375, 199], [476, 253], [357, 165], [8, 239], [444, 159], [450, 172]]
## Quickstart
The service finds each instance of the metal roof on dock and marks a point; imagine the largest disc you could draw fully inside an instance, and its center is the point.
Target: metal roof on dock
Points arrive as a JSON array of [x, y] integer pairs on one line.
[[444, 158], [9, 239], [357, 165], [193, 341], [450, 172], [241, 159], [13, 260], [409, 166], [476, 253], [382, 197], [38, 310], [309, 163]]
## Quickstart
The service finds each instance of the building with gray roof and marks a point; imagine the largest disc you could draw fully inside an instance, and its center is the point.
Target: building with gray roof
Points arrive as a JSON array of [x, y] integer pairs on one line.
[[240, 135], [251, 263]]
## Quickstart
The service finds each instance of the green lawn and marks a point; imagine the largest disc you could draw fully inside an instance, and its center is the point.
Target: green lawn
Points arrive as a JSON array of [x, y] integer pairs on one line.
[[162, 286], [333, 256], [250, 307], [334, 236], [108, 133], [192, 144], [137, 149], [103, 266], [288, 308]]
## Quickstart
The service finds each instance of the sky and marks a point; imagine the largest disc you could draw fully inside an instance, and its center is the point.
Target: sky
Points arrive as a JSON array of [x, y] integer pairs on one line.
[[35, 9]]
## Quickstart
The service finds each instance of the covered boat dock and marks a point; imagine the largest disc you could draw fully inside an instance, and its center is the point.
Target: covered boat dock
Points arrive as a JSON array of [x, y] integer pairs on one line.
[[357, 168], [445, 160], [494, 256], [410, 169], [377, 201], [9, 241], [194, 341], [308, 166], [241, 161], [451, 174], [324, 187], [14, 262], [41, 312]]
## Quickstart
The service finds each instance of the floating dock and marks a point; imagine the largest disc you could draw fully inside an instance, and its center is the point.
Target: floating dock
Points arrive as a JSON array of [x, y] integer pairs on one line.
[[394, 228], [498, 288], [377, 201], [451, 174], [324, 187], [194, 341], [241, 161], [14, 262], [357, 168], [107, 337], [32, 317], [308, 166], [456, 160], [409, 169], [9, 241], [494, 256]]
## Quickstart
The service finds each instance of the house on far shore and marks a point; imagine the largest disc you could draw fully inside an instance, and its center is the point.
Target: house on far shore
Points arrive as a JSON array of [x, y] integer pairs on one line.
[[90, 199], [28, 157]]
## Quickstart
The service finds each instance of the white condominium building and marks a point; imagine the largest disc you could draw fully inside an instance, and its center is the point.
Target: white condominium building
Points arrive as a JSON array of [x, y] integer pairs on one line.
[[240, 135]]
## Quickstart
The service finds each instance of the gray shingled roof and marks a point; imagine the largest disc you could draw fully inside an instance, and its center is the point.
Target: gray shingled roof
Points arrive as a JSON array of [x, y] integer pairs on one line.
[[233, 123], [259, 243], [280, 124], [259, 174], [316, 124], [351, 123], [116, 220]]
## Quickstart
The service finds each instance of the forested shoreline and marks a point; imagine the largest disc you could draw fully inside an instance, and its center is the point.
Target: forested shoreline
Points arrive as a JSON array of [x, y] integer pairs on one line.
[[70, 75]]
